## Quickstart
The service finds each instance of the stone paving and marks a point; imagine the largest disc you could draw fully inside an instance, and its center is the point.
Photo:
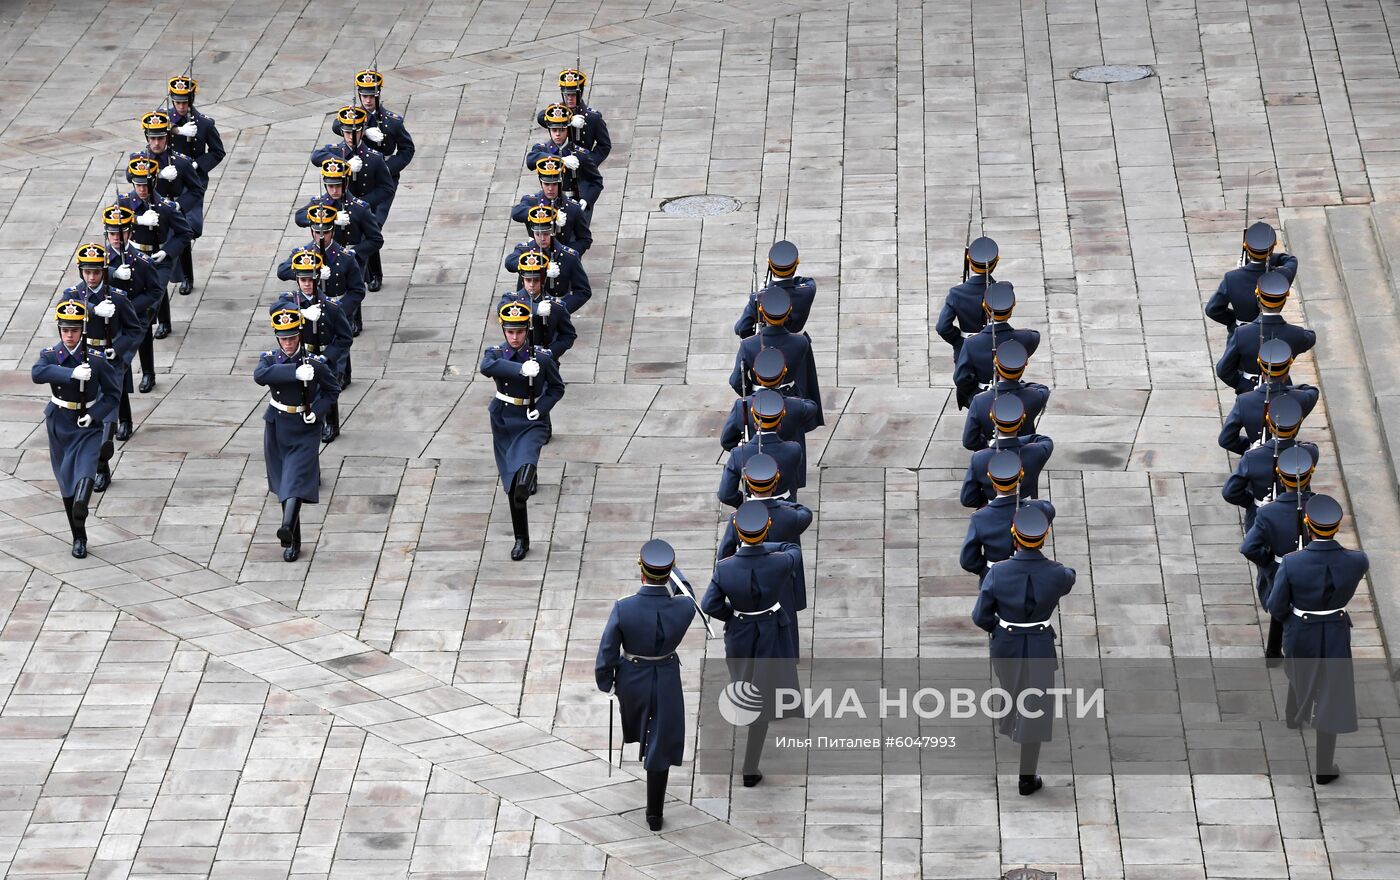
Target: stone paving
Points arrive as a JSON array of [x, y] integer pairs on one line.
[[405, 702]]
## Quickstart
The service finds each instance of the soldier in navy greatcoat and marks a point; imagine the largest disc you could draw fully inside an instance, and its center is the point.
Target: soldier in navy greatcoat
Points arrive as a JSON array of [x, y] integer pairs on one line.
[[341, 279], [326, 333], [160, 230], [564, 275], [799, 414], [355, 226], [1244, 424], [179, 180], [768, 411], [570, 221], [552, 329], [1009, 361], [799, 367], [782, 272], [1235, 367], [302, 388], [582, 180], [84, 391], [527, 388], [988, 538], [587, 128], [1234, 299], [638, 665], [972, 371], [1310, 591], [962, 315], [1278, 530], [370, 177], [1008, 415], [755, 593], [132, 271], [193, 133], [1015, 602], [1253, 479], [789, 518]]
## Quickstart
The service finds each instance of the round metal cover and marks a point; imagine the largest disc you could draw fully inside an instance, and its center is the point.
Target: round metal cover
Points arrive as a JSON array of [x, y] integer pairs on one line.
[[1112, 73], [703, 205], [1027, 874]]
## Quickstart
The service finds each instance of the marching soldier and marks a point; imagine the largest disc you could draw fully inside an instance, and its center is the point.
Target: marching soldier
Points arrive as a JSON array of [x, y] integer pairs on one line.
[[341, 279], [788, 518], [180, 180], [527, 388], [1310, 592], [564, 275], [962, 313], [370, 177], [325, 334], [774, 306], [1234, 300], [988, 538], [748, 592], [768, 411], [551, 327], [582, 181], [799, 417], [84, 391], [160, 233], [1008, 416], [782, 272], [1245, 423], [972, 372], [1277, 531], [587, 127], [113, 329], [387, 132], [356, 230], [638, 664], [133, 272], [1015, 602], [301, 390], [570, 222], [1253, 479], [193, 133], [1243, 346], [1009, 360]]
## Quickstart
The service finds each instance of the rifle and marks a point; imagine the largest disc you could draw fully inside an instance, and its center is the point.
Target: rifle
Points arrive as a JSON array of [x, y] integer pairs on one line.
[[82, 353], [967, 248], [1302, 526], [530, 342], [683, 587], [612, 698]]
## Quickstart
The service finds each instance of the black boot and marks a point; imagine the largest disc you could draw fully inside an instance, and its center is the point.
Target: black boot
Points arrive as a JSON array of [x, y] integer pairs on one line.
[[1029, 783], [78, 517], [162, 329], [1327, 769], [291, 553], [520, 524], [374, 272], [104, 476], [1273, 648], [656, 797], [357, 324], [345, 377], [79, 532], [753, 748], [124, 427], [104, 455], [291, 511], [330, 426], [187, 270]]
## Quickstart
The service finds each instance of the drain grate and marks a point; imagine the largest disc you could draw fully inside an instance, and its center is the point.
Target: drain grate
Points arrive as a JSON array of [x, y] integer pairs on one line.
[[1112, 73], [704, 205]]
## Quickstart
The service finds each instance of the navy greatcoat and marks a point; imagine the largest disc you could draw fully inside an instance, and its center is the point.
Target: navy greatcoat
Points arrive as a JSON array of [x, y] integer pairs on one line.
[[989, 532], [74, 451], [650, 623], [1321, 577], [593, 136], [397, 147], [571, 287], [978, 427], [576, 233], [330, 336], [589, 180], [206, 148], [1023, 589], [974, 366], [515, 440], [363, 234], [1234, 301], [553, 332], [291, 447], [792, 467], [756, 578], [801, 292], [186, 190], [172, 234], [1273, 535], [963, 313], [1254, 474], [977, 488], [789, 521], [800, 416], [142, 285], [1238, 367], [346, 285], [124, 330], [374, 182], [801, 367], [1245, 423]]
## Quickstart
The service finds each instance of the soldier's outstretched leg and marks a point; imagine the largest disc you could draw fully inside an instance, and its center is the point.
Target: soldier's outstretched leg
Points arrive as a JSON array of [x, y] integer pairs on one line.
[[1273, 648], [520, 524], [289, 533], [78, 530], [374, 272], [330, 428], [656, 797], [1029, 783], [753, 751], [104, 455], [1326, 765], [79, 516], [146, 353], [187, 270], [162, 316], [124, 420]]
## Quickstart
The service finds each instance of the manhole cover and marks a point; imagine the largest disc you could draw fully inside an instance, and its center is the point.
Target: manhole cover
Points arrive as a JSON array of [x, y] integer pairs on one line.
[[700, 206], [1027, 874], [1112, 73]]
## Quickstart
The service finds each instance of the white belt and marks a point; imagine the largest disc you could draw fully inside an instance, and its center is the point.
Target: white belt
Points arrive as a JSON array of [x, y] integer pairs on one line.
[[284, 408], [1018, 626], [628, 656], [777, 606], [774, 497], [518, 401], [1298, 612], [69, 404]]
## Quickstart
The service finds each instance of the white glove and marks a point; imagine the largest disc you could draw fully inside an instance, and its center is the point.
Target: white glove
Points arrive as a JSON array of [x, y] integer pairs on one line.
[[158, 257], [561, 218], [305, 373], [85, 421], [188, 130], [342, 219], [375, 133], [122, 272], [570, 162], [312, 312], [544, 309], [110, 354], [325, 273], [149, 218], [553, 270], [105, 309], [309, 418], [532, 414], [350, 250], [583, 203], [530, 369], [356, 163], [169, 172], [577, 121], [82, 373]]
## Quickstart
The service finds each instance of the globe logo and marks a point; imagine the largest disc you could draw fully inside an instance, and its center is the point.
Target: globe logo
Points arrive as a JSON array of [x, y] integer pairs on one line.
[[740, 702]]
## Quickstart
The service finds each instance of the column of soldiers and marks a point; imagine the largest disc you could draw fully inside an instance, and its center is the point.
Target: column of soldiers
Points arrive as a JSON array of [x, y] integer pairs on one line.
[[108, 322], [758, 584], [1304, 577], [537, 316], [1019, 587]]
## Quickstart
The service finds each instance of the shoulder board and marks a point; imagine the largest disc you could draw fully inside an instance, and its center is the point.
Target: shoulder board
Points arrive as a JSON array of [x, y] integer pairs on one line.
[[390, 114], [180, 156], [135, 254], [358, 202], [68, 290], [170, 202], [568, 250], [267, 354], [49, 350], [543, 354]]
